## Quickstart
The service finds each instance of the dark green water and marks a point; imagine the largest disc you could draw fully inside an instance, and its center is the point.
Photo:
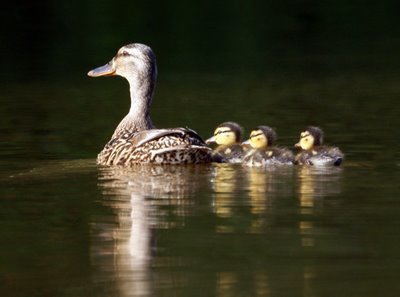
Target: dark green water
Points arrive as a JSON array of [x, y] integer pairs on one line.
[[70, 228]]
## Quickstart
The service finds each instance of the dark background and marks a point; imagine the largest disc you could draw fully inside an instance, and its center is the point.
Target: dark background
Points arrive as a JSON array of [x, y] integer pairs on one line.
[[285, 63], [54, 39]]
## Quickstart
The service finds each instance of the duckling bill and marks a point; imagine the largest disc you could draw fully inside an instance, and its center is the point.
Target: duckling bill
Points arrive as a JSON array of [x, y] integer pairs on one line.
[[313, 152], [227, 136], [263, 151]]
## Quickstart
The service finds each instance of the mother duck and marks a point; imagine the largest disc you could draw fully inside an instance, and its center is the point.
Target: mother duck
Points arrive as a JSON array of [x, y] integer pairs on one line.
[[135, 140]]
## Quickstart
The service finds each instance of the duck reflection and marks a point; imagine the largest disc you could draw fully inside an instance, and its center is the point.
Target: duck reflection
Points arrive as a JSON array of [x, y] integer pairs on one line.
[[141, 199], [256, 220], [314, 184]]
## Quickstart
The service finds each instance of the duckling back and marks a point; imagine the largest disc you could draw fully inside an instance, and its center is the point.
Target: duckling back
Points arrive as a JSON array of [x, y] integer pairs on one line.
[[228, 153], [268, 156], [320, 156]]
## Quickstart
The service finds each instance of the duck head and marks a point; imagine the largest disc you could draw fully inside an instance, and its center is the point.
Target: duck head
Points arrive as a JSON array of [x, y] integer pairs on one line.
[[227, 133], [310, 137], [136, 62], [261, 137]]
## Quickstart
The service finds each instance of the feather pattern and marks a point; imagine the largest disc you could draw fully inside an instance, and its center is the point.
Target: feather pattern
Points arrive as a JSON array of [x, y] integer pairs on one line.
[[268, 156], [160, 146], [135, 140], [320, 156]]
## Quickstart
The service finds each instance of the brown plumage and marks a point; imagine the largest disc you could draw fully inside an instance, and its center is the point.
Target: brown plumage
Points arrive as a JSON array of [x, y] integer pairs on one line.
[[160, 146], [135, 139]]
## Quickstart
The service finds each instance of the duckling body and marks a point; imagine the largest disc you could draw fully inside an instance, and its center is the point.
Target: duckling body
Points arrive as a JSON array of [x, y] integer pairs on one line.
[[313, 152], [135, 139], [268, 156], [320, 156], [263, 152], [227, 137], [228, 154]]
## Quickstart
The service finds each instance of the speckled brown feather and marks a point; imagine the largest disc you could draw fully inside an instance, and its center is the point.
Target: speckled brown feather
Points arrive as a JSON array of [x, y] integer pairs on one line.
[[159, 146]]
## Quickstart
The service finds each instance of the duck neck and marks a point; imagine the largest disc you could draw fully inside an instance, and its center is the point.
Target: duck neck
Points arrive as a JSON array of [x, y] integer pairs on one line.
[[141, 97], [138, 118]]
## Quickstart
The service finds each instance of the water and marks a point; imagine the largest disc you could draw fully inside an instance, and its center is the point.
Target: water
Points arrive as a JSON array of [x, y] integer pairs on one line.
[[71, 228]]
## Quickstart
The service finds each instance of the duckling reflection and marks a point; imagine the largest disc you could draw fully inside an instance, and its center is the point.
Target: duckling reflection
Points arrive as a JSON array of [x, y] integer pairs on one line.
[[264, 186], [315, 184], [229, 283], [143, 199], [225, 183]]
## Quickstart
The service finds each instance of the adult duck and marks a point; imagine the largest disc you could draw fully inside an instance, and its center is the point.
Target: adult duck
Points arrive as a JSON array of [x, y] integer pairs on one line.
[[135, 140]]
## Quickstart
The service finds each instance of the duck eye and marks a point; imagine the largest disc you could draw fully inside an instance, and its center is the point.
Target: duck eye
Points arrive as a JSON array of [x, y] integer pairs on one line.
[[125, 53]]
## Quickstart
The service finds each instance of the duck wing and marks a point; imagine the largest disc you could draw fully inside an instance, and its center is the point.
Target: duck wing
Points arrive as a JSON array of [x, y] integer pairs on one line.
[[181, 154], [142, 137], [160, 146]]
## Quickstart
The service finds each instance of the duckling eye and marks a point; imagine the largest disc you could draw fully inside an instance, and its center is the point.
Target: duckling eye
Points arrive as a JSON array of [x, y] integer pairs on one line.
[[125, 53]]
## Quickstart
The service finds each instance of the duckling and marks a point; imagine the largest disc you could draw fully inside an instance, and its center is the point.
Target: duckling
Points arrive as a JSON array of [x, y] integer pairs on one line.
[[135, 140], [263, 152], [313, 152], [227, 136]]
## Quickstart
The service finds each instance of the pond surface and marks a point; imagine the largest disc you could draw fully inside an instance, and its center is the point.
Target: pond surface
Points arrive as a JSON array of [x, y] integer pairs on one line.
[[71, 228]]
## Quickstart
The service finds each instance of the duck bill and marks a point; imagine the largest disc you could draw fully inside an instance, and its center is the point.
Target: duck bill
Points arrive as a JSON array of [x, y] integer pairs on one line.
[[297, 145], [211, 140], [246, 144], [105, 70]]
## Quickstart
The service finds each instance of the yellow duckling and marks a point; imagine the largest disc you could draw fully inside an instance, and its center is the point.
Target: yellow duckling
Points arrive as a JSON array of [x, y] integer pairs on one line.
[[313, 152], [263, 152], [227, 136]]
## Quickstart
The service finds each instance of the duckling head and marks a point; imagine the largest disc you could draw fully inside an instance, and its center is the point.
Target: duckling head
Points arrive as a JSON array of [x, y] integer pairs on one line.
[[312, 136], [261, 137], [227, 133], [136, 62]]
